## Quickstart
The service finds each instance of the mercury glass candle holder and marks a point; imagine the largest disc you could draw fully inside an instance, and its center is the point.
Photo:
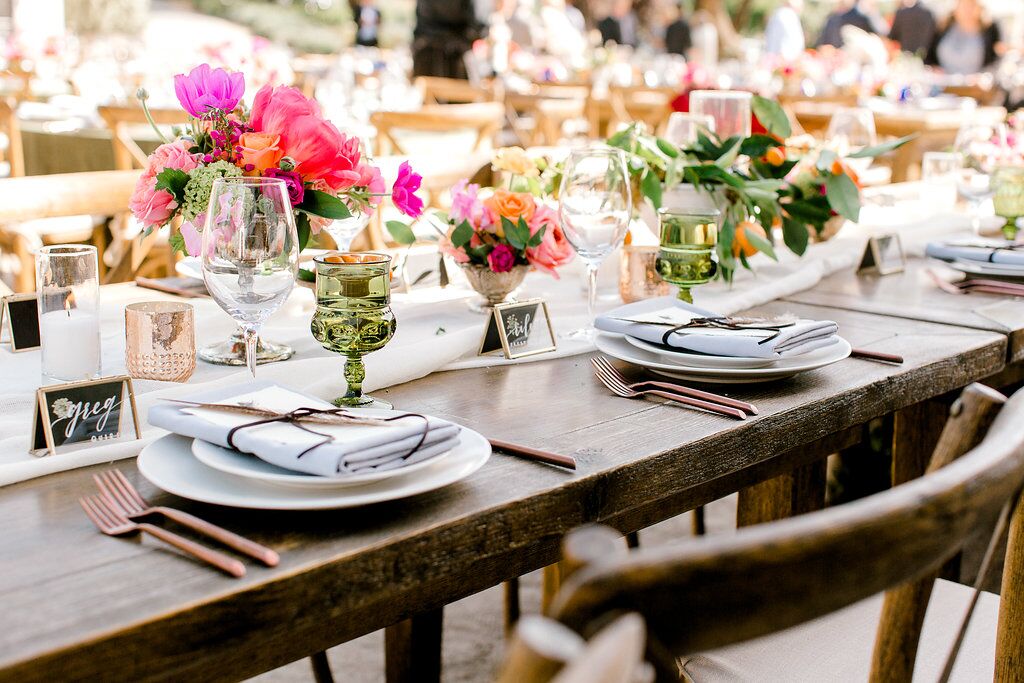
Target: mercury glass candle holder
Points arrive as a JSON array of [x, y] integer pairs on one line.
[[68, 285], [160, 340], [353, 315], [638, 273], [686, 255]]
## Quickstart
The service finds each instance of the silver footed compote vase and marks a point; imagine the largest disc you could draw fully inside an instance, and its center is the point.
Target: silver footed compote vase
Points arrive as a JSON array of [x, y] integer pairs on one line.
[[493, 288]]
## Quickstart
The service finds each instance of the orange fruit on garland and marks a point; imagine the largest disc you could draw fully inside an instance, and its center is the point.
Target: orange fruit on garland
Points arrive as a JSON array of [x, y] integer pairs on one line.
[[741, 242], [775, 156]]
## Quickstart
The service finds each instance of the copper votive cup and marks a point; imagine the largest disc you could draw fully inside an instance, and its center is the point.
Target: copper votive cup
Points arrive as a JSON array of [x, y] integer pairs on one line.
[[638, 276], [160, 340]]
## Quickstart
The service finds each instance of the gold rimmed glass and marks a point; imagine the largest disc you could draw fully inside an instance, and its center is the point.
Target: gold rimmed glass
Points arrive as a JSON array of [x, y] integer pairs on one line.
[[353, 315], [686, 256]]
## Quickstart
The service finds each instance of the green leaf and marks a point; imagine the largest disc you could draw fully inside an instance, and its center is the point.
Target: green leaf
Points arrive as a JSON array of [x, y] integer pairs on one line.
[[877, 150], [177, 243], [538, 237], [307, 275], [517, 234], [795, 235], [667, 148], [400, 232], [843, 196], [324, 205], [732, 150], [771, 116], [756, 145], [761, 244], [825, 160], [462, 234], [808, 212], [650, 187], [172, 180], [302, 227]]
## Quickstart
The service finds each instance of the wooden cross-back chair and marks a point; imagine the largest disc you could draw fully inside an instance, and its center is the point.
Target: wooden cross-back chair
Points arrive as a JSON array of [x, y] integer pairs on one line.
[[639, 103], [483, 118], [438, 90], [722, 603], [122, 120], [26, 200]]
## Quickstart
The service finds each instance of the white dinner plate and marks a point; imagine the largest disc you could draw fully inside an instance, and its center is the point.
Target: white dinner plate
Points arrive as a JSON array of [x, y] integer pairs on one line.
[[986, 268], [690, 359], [168, 463], [616, 346], [250, 467]]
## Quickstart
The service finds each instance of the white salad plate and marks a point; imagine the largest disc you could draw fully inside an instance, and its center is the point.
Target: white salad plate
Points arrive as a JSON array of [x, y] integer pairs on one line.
[[168, 463], [616, 346], [251, 467], [985, 268]]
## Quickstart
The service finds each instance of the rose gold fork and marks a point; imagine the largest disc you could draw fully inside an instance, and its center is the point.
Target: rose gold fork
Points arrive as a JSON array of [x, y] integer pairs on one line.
[[112, 523], [602, 362], [118, 491], [620, 388]]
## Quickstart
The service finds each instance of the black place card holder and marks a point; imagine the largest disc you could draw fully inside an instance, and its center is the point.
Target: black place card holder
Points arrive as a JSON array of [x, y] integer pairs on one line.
[[78, 412], [883, 255], [19, 316], [510, 328]]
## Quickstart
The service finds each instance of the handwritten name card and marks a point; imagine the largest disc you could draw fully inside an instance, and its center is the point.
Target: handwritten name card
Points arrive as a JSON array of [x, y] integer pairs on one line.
[[511, 327], [92, 411]]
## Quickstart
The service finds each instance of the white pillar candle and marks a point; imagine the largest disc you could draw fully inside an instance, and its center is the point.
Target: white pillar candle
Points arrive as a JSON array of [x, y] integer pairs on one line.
[[70, 344]]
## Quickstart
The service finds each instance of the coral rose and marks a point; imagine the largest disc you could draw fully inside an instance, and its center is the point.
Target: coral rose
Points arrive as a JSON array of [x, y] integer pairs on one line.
[[512, 205], [554, 251], [152, 207], [262, 150]]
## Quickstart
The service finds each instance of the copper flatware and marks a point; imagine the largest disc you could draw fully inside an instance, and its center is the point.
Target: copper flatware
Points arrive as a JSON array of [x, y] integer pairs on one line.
[[534, 454], [120, 493], [112, 522], [876, 355], [942, 283], [749, 408], [620, 388]]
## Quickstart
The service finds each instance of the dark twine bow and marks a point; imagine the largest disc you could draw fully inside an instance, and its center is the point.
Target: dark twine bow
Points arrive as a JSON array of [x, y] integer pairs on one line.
[[722, 323], [335, 416]]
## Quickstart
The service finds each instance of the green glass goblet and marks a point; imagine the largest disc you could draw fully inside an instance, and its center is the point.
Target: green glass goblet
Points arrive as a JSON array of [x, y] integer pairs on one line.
[[1008, 197], [688, 240], [353, 316]]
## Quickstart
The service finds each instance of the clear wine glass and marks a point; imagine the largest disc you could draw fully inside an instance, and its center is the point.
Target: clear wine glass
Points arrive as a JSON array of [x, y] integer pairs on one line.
[[250, 252], [979, 147], [850, 130], [344, 230], [595, 205]]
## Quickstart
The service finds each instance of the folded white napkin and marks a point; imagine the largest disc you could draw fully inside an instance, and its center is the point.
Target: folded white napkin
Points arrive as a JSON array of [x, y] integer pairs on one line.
[[650, 320], [989, 251], [355, 448]]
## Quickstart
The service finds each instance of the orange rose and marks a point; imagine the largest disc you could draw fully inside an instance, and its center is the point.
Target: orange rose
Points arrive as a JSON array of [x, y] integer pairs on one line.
[[511, 205], [262, 150]]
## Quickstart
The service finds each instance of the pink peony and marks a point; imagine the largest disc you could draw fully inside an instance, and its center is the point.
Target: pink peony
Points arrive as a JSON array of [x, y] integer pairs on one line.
[[152, 207], [501, 259], [403, 192], [206, 89], [554, 250], [171, 155], [465, 205], [319, 149]]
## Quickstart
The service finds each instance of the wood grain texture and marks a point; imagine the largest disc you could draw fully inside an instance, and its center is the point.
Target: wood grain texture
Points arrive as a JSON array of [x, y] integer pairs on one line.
[[769, 577], [412, 649], [346, 573], [1010, 636]]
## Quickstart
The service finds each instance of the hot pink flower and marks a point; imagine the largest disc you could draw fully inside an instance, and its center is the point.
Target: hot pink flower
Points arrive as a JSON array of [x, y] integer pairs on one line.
[[554, 250], [152, 207], [403, 192], [205, 89], [292, 180], [501, 259]]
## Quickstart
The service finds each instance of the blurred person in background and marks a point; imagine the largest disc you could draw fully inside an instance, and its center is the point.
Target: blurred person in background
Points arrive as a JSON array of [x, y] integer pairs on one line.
[[967, 42], [678, 38], [704, 35], [848, 13], [445, 31], [622, 26], [914, 28], [575, 16], [367, 19], [784, 34], [562, 35]]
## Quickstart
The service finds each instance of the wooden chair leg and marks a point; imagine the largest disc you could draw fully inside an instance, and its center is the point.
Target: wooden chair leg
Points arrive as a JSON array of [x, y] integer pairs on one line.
[[633, 539], [321, 668], [512, 610], [551, 579], [698, 526], [1010, 633], [412, 649]]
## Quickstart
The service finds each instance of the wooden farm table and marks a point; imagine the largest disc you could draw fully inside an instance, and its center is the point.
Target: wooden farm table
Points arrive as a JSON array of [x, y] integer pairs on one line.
[[80, 605], [935, 129]]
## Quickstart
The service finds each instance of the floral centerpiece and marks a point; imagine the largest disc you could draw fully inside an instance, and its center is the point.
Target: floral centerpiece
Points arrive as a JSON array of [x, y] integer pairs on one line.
[[497, 234], [762, 186], [284, 136]]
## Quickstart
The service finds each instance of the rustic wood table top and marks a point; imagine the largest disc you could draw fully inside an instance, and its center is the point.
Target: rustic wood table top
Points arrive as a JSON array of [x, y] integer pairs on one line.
[[913, 294], [79, 605]]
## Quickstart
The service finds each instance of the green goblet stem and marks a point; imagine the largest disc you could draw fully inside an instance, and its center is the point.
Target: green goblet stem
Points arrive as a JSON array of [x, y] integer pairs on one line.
[[355, 373], [685, 295]]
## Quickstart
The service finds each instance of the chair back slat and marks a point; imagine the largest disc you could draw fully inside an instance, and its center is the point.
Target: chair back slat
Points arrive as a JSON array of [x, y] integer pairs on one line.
[[718, 590], [484, 118], [122, 119]]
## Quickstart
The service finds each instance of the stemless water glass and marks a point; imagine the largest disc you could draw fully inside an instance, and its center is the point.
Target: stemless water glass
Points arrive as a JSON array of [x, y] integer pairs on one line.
[[69, 322], [595, 205], [730, 110], [250, 252], [353, 316], [684, 128], [979, 147], [939, 171]]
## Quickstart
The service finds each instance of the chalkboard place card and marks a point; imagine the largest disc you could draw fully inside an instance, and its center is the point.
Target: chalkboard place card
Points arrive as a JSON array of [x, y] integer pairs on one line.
[[510, 329], [92, 411], [883, 255], [19, 316]]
